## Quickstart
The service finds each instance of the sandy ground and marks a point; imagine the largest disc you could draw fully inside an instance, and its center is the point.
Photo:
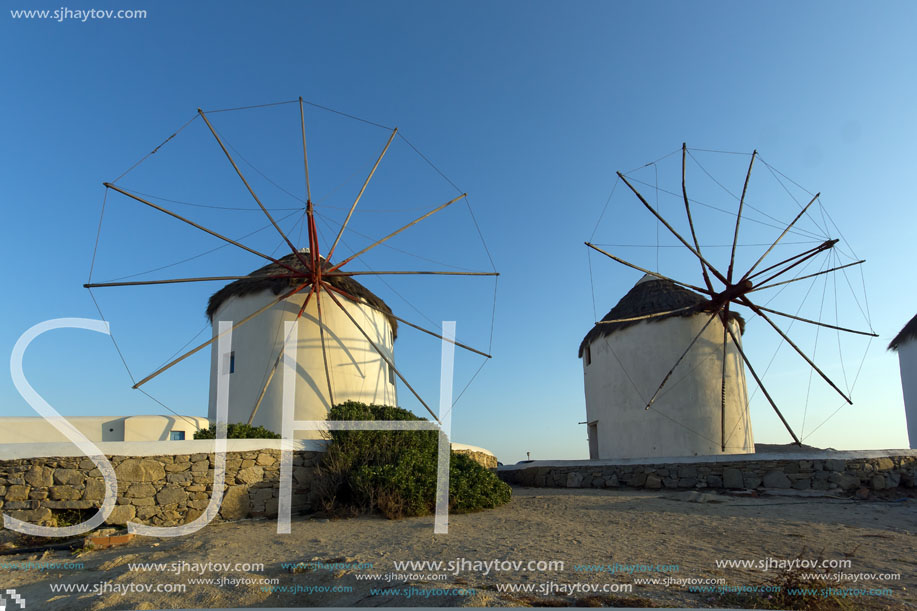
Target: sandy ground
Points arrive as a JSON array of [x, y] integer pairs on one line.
[[578, 527]]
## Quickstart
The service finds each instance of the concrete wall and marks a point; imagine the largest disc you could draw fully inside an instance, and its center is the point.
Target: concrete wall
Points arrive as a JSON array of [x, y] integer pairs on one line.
[[100, 428], [627, 367], [907, 360], [838, 471], [357, 371]]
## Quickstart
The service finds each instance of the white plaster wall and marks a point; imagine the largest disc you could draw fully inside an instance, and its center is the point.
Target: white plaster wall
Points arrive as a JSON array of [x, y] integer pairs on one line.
[[33, 430], [907, 360], [358, 373], [626, 369]]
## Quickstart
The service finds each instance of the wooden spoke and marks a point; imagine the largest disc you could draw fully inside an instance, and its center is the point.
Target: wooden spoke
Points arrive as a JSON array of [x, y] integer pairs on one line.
[[754, 374], [645, 316], [745, 301], [394, 233], [250, 190], [777, 241], [735, 238], [201, 227], [646, 271], [724, 316], [823, 246], [216, 337], [378, 350], [360, 194], [824, 271], [321, 334], [409, 273], [646, 204], [305, 157], [792, 265], [815, 322], [684, 194], [96, 285], [418, 327], [681, 358]]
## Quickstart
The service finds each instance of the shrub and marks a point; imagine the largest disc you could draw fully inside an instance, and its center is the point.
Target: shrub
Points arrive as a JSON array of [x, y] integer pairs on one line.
[[394, 472], [238, 431]]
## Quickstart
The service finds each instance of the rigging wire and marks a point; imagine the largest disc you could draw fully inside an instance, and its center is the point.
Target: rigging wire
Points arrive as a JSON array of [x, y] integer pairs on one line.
[[155, 150]]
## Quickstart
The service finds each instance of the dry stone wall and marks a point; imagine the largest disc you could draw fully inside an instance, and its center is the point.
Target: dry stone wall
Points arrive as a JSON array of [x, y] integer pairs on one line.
[[843, 474], [154, 490]]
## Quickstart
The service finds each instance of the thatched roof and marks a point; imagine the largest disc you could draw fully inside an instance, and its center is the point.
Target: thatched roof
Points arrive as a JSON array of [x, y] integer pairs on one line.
[[908, 333], [649, 296], [257, 281]]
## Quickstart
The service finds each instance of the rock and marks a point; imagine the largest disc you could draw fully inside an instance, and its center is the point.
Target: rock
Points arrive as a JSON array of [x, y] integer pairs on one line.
[[64, 493], [139, 470], [835, 464], [878, 482], [844, 480], [39, 477], [732, 478], [250, 475], [862, 493], [41, 516], [611, 481], [140, 491], [236, 504], [171, 495], [266, 460], [17, 492], [802, 484], [95, 489], [751, 480], [574, 480], [653, 481], [776, 479], [885, 464], [121, 514], [69, 477], [200, 466], [714, 481], [687, 471], [183, 477]]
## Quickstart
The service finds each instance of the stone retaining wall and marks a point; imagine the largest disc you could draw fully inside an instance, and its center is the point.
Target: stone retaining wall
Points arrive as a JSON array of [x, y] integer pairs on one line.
[[842, 473], [154, 490]]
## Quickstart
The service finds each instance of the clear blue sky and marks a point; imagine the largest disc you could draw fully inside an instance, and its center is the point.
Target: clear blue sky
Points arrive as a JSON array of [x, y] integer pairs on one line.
[[528, 106]]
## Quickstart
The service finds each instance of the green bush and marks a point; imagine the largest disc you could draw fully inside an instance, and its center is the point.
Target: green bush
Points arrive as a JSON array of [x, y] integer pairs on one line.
[[238, 431], [394, 472]]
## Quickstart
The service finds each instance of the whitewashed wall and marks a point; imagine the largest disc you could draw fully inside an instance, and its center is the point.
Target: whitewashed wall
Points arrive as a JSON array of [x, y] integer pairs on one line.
[[32, 430]]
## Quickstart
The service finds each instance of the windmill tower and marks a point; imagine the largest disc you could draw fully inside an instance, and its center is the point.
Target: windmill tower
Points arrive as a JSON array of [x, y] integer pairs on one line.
[[905, 344], [354, 372], [626, 355]]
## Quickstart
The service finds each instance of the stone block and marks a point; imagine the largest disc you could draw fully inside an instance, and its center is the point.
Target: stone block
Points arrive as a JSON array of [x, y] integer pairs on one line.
[[140, 470], [39, 477], [122, 514], [140, 490], [236, 504], [776, 479], [64, 493], [94, 490], [250, 475], [732, 478], [653, 481], [574, 479], [170, 495], [17, 492], [68, 477]]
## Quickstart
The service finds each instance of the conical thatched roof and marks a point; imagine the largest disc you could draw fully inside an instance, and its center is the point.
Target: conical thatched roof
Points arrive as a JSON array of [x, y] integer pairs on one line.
[[908, 333], [649, 296], [258, 282]]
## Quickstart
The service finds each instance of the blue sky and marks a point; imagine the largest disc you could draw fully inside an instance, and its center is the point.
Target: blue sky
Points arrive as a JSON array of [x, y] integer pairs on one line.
[[530, 107]]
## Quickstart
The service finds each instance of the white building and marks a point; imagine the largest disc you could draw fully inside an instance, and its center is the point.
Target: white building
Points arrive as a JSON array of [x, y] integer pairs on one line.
[[357, 371], [103, 428], [625, 362], [905, 344]]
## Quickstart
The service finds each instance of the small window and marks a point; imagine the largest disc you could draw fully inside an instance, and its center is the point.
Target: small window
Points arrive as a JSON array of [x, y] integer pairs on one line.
[[176, 436], [232, 362], [391, 375], [587, 355]]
